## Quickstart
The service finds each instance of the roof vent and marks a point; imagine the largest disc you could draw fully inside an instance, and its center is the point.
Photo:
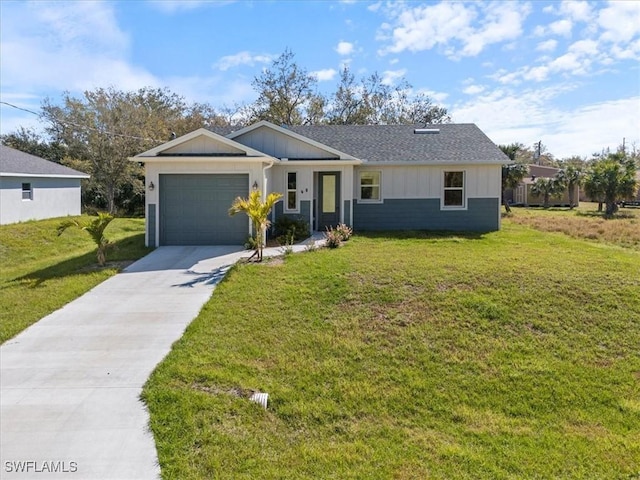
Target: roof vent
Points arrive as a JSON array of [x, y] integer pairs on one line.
[[420, 131]]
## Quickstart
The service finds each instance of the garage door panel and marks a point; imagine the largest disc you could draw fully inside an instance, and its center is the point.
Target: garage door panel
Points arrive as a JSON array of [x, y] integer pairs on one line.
[[194, 209]]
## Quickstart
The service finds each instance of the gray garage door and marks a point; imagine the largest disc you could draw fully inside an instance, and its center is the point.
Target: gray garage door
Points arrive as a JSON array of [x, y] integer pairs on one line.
[[194, 209]]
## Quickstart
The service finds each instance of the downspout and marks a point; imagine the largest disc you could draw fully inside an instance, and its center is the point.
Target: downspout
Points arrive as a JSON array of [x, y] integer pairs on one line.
[[264, 192]]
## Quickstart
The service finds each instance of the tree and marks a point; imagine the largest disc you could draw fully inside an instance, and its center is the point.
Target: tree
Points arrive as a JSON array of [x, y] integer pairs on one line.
[[571, 177], [286, 93], [372, 101], [612, 179], [94, 227], [105, 127], [546, 187], [512, 175], [258, 212], [28, 141]]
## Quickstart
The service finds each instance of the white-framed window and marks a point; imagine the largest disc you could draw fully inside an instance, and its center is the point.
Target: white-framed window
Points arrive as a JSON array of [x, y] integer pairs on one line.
[[291, 200], [27, 191], [453, 195], [370, 183]]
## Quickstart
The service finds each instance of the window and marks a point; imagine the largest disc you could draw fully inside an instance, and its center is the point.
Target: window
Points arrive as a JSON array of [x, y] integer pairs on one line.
[[453, 190], [27, 192], [292, 191], [370, 186]]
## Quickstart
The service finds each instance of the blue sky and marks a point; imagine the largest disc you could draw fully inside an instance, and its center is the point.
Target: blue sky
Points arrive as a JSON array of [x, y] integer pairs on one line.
[[566, 73]]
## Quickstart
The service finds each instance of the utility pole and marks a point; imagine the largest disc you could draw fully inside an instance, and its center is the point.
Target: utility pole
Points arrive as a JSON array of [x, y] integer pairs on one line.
[[537, 152]]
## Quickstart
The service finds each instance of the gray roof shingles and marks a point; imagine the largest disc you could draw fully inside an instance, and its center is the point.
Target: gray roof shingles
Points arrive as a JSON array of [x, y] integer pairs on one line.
[[14, 161], [455, 143]]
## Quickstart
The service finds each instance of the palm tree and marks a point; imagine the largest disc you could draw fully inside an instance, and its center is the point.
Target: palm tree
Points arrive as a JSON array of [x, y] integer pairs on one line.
[[258, 212], [512, 175], [546, 187], [95, 227], [571, 177]]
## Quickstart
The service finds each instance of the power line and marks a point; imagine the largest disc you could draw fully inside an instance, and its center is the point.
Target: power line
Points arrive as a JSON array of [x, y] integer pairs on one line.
[[86, 127]]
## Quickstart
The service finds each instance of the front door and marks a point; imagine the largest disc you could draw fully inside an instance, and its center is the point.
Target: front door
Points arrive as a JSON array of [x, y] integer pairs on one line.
[[328, 200]]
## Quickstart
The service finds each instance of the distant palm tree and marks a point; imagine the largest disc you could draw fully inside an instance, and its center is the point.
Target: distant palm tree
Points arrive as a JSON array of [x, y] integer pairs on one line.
[[258, 212], [95, 227], [546, 187], [571, 177]]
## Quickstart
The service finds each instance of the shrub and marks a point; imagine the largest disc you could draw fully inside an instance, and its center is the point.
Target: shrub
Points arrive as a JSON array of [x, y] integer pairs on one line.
[[286, 227], [344, 231], [333, 238]]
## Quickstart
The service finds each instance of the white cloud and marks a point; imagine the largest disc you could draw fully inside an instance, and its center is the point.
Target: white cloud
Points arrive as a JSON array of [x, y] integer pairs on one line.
[[389, 77], [462, 29], [473, 89], [547, 46], [67, 46], [579, 11], [531, 115], [561, 27], [242, 58], [620, 21], [344, 48], [325, 75]]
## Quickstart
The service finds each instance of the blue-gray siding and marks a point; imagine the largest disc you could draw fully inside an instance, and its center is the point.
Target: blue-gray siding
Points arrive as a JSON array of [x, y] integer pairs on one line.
[[151, 225], [305, 211], [481, 215], [347, 212]]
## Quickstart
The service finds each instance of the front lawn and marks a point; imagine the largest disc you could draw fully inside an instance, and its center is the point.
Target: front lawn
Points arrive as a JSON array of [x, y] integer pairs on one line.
[[41, 272], [507, 355]]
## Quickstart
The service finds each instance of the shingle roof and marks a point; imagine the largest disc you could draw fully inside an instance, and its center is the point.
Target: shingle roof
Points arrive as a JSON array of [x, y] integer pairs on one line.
[[455, 143], [15, 162]]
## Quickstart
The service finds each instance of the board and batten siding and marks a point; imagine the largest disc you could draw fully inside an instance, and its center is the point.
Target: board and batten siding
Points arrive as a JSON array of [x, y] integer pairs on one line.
[[411, 199], [280, 145], [51, 197]]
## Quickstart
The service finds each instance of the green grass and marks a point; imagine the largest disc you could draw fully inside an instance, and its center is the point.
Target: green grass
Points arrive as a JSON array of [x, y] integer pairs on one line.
[[507, 355], [40, 272]]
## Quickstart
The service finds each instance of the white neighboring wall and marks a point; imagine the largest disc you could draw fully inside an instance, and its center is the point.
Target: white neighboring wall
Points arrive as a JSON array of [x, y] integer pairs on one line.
[[51, 197]]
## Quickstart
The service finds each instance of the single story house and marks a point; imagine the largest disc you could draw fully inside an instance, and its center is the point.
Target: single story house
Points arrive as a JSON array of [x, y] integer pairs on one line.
[[522, 195], [373, 177], [32, 188]]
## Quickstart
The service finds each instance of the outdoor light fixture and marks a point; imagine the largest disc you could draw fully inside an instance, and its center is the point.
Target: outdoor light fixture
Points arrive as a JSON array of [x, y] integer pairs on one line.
[[151, 186], [255, 184]]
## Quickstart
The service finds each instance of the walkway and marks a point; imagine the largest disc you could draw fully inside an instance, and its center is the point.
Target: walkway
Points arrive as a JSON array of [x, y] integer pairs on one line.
[[70, 384]]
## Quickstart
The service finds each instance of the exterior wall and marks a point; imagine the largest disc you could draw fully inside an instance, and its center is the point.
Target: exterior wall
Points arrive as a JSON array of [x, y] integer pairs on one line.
[[308, 189], [426, 214], [411, 199], [202, 145], [52, 197], [279, 145], [153, 170]]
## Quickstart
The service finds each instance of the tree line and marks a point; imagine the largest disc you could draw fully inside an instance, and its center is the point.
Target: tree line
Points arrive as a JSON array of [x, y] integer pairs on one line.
[[608, 177], [97, 132]]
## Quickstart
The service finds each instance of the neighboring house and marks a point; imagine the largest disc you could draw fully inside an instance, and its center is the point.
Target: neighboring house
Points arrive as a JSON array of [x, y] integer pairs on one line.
[[32, 188], [381, 177], [522, 195]]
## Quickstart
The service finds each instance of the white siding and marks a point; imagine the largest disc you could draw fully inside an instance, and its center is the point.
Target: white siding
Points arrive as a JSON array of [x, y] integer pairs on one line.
[[279, 145], [202, 145], [403, 182], [52, 197]]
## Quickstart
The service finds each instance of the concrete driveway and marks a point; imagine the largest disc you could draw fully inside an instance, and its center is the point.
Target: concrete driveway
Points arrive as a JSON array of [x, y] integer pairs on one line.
[[70, 384]]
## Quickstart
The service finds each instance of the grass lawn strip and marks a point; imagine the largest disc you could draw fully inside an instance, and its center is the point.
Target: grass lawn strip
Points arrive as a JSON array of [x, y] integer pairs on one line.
[[508, 355], [42, 271]]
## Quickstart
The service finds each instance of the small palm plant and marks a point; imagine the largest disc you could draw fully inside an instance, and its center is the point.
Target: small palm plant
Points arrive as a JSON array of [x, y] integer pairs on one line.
[[546, 188], [258, 212], [95, 227]]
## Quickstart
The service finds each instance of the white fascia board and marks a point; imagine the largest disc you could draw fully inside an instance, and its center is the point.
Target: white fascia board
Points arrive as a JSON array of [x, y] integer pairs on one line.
[[332, 163], [434, 163], [297, 136], [41, 175], [202, 159], [154, 152]]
